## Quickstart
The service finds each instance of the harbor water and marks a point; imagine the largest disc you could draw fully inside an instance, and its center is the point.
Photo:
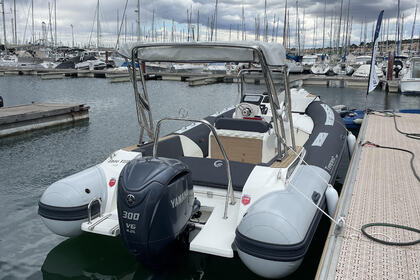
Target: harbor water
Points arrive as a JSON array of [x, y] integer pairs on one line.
[[29, 163]]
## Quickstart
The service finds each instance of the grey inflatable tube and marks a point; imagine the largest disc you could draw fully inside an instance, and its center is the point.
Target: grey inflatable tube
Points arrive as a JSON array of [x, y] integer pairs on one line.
[[275, 233]]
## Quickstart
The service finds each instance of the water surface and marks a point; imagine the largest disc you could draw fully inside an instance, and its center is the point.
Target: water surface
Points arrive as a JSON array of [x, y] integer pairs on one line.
[[31, 162]]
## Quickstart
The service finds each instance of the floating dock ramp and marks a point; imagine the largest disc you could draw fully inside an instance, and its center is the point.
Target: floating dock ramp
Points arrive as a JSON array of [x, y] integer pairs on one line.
[[380, 187]]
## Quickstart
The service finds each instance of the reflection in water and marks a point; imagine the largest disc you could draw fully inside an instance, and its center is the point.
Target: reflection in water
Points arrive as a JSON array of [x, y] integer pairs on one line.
[[90, 256]]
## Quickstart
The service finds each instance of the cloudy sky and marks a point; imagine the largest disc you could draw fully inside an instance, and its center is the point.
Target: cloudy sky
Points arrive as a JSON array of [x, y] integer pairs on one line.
[[81, 14]]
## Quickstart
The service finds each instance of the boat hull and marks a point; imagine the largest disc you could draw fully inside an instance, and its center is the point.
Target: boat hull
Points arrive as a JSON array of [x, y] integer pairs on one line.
[[410, 86], [276, 231]]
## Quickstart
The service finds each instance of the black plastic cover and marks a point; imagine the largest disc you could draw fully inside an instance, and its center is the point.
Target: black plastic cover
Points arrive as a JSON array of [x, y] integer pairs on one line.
[[212, 172], [155, 201], [243, 125], [74, 213]]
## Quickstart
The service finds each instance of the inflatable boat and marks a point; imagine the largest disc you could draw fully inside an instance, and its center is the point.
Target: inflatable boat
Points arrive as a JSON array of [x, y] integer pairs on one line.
[[248, 181]]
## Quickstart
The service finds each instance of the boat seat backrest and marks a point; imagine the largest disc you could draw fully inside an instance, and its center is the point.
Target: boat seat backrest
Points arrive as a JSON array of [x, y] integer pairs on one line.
[[169, 147], [242, 125], [212, 172]]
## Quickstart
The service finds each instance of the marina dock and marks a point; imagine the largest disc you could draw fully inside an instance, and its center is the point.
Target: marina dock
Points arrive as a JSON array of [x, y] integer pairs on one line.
[[380, 187], [24, 118], [203, 78]]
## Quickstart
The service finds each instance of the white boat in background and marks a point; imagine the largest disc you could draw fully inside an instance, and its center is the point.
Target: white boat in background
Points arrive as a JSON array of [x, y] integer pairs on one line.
[[9, 61], [91, 65], [410, 80], [362, 60], [48, 64], [187, 67], [364, 70], [215, 68], [343, 69], [294, 67], [321, 68], [308, 61]]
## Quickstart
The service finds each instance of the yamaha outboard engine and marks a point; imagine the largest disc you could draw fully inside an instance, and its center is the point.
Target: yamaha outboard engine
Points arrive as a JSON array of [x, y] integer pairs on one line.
[[155, 202]]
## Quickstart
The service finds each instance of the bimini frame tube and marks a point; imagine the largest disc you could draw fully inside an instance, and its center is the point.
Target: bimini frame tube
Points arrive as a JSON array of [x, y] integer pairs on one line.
[[271, 90], [213, 130]]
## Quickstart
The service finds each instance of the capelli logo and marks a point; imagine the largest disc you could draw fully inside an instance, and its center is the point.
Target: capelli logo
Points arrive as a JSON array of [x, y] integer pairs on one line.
[[218, 163]]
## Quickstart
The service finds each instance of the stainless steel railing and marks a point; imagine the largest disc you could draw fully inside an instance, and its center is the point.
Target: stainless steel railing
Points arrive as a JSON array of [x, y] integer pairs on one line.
[[213, 130]]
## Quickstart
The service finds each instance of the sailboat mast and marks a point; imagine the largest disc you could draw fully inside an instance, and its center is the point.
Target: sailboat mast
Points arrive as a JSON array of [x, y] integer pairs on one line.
[[303, 32], [314, 35], [215, 31], [285, 26], [265, 21], [198, 25], [297, 26], [4, 23], [50, 24], [243, 23], [339, 26], [97, 26], [14, 14], [387, 36], [364, 38], [323, 30], [398, 29], [347, 28], [138, 20], [55, 22], [402, 28], [33, 26]]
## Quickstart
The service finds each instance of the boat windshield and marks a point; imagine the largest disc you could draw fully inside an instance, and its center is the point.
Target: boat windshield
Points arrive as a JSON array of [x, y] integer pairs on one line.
[[252, 81], [416, 69], [364, 59]]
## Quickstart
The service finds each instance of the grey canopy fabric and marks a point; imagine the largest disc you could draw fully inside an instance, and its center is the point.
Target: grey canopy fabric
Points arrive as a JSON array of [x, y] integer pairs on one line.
[[274, 53]]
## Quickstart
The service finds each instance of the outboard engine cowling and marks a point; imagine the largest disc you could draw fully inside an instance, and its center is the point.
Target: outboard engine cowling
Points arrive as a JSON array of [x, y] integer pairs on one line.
[[155, 202]]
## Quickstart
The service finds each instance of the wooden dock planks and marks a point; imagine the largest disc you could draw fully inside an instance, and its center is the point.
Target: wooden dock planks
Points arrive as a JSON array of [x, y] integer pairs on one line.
[[379, 187]]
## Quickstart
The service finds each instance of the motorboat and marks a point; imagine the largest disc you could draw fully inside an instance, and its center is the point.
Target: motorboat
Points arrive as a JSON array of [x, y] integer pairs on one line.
[[248, 181], [410, 78], [294, 67], [308, 61], [364, 71], [8, 61], [187, 67], [95, 64], [215, 68], [362, 60]]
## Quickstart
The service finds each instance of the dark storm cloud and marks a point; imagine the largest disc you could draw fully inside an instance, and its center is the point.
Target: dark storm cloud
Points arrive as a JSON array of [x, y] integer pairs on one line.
[[80, 13]]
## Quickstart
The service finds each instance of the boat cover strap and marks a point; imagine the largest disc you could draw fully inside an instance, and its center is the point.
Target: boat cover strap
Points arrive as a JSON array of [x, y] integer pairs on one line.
[[212, 172]]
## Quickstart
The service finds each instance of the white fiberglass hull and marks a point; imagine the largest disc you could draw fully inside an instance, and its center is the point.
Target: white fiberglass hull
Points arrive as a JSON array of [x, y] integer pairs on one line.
[[408, 86]]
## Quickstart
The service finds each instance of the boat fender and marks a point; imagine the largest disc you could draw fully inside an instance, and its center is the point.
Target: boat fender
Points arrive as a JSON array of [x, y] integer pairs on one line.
[[332, 199], [358, 121], [351, 142]]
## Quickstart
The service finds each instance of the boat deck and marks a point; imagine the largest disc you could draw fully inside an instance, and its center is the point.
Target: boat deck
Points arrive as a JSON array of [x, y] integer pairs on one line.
[[379, 187]]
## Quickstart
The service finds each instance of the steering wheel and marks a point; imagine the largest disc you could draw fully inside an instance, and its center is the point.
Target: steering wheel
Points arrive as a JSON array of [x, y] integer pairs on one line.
[[247, 110]]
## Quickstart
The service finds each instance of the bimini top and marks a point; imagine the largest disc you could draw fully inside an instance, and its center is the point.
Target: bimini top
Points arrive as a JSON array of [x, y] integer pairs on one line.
[[246, 51]]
